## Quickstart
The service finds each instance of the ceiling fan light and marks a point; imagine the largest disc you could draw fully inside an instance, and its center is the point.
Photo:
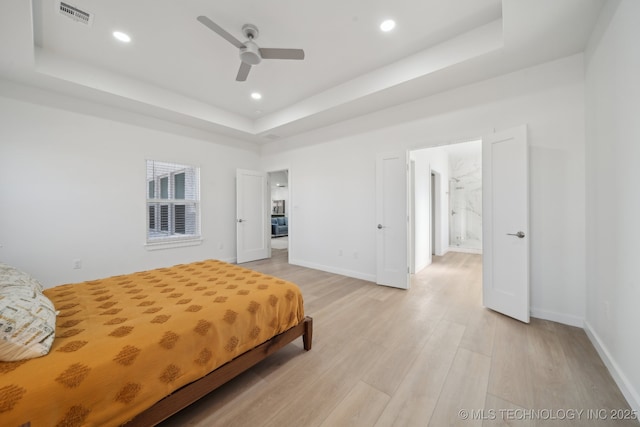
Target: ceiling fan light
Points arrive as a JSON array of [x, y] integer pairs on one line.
[[250, 54], [387, 25]]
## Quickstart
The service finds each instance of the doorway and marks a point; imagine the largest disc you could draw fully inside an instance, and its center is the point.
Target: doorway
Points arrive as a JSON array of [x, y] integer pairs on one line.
[[447, 201], [280, 212], [502, 187], [434, 201]]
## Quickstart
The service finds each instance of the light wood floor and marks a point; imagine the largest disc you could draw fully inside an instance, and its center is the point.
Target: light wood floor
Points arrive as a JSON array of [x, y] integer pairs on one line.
[[387, 357]]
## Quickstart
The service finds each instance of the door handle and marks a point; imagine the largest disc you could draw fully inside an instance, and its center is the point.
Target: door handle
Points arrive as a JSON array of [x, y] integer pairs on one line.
[[519, 234], [241, 220], [380, 226]]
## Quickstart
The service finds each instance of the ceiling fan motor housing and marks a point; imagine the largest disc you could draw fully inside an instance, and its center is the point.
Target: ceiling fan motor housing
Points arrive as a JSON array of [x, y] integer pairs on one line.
[[250, 54]]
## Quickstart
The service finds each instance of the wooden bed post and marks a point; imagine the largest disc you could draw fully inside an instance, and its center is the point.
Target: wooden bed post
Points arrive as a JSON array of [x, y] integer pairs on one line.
[[307, 336]]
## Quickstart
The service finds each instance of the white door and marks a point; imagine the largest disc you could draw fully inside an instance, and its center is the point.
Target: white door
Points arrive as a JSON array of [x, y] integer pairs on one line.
[[392, 177], [505, 182], [252, 216]]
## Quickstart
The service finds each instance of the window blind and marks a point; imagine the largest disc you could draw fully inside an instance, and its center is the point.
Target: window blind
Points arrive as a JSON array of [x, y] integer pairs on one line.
[[173, 201]]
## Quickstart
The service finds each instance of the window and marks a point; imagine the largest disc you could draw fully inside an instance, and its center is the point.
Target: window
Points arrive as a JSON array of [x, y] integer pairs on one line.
[[173, 202]]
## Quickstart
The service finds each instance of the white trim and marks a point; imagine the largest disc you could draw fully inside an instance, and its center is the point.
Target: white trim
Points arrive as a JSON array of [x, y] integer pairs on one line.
[[168, 244], [565, 319], [464, 250], [340, 271], [157, 171], [626, 387]]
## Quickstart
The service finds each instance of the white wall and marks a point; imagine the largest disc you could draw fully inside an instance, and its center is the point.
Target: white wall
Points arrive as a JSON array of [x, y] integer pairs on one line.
[[66, 159], [72, 186], [613, 199], [426, 160], [326, 205], [335, 213], [466, 199]]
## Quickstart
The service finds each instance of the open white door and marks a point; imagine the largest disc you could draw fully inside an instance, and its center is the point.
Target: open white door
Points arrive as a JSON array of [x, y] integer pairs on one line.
[[252, 219], [392, 239], [505, 211]]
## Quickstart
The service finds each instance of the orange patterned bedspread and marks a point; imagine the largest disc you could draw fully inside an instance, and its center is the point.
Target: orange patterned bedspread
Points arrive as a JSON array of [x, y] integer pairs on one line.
[[125, 342]]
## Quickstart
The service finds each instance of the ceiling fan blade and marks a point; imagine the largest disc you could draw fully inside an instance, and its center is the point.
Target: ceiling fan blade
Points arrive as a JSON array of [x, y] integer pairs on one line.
[[243, 72], [272, 53], [221, 31]]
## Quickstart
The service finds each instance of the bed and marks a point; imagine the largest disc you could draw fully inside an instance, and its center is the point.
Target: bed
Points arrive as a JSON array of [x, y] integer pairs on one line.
[[135, 349]]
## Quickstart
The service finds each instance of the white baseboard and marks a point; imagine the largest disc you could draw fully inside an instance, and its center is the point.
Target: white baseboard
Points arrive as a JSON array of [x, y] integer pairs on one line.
[[628, 390], [443, 252], [464, 250], [421, 267], [343, 272], [565, 319]]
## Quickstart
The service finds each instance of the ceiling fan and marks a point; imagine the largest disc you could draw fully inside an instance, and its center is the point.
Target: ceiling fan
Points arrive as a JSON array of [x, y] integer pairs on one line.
[[250, 52]]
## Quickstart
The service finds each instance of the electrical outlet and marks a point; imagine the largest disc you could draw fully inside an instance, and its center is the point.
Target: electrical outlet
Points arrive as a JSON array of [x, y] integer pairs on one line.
[[339, 252], [77, 264]]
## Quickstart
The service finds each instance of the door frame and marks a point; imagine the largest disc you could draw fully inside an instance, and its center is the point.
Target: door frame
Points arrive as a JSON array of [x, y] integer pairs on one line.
[[436, 212], [432, 211], [288, 209]]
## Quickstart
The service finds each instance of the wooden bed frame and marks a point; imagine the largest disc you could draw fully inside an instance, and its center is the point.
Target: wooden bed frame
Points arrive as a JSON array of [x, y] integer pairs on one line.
[[188, 394]]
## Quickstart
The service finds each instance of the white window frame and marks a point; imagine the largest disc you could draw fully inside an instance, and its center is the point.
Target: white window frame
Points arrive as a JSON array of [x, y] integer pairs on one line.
[[157, 237]]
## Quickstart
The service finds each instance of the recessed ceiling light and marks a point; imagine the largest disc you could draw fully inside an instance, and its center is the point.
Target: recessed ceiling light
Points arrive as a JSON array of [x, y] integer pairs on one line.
[[388, 25], [256, 95], [122, 36]]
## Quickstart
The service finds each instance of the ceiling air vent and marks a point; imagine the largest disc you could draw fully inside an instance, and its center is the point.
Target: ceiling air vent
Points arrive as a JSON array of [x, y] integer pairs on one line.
[[76, 14]]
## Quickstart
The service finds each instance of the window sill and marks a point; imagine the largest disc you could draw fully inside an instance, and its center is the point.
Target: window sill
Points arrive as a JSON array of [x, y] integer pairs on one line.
[[170, 244]]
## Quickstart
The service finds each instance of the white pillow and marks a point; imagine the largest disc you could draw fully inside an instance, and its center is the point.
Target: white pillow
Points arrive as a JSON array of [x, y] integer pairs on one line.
[[27, 317], [11, 276]]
